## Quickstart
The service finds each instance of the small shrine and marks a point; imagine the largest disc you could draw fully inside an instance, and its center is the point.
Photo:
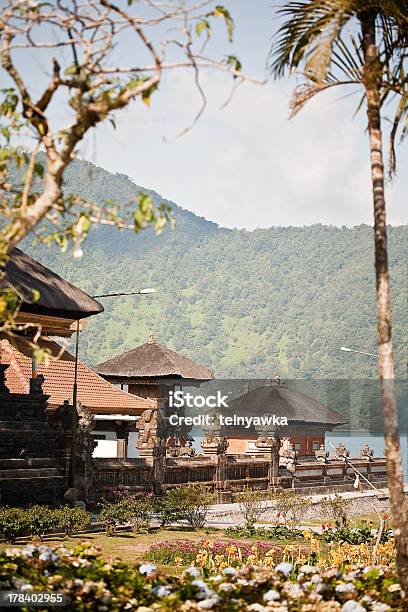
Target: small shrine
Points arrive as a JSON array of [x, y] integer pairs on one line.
[[151, 371], [308, 421]]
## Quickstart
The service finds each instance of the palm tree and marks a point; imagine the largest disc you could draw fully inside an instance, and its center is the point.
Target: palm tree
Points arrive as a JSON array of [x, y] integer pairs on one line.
[[360, 43]]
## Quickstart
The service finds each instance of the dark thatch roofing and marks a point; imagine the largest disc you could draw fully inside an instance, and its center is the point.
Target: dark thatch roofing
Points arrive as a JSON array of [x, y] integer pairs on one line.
[[152, 360], [282, 401], [58, 298]]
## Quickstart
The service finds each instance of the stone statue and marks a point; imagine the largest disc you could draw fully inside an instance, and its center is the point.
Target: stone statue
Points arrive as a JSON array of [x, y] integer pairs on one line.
[[36, 384], [322, 455], [342, 452], [366, 453]]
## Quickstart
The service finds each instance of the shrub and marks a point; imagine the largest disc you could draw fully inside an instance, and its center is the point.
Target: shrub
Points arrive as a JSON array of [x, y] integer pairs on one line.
[[41, 520], [252, 507], [138, 512], [335, 509], [190, 503], [13, 523], [71, 520], [113, 515], [290, 506], [277, 533]]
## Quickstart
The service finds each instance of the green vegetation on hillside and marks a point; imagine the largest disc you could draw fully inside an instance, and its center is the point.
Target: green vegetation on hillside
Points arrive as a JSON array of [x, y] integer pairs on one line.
[[246, 304]]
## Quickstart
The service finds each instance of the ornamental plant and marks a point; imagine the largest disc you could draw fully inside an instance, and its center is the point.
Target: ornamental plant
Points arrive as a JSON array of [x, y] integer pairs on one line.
[[41, 520], [190, 503], [90, 583], [13, 523], [71, 520]]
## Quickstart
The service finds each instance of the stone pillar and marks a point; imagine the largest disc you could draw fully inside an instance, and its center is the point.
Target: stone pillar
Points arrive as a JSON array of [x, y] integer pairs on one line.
[[270, 445], [221, 473]]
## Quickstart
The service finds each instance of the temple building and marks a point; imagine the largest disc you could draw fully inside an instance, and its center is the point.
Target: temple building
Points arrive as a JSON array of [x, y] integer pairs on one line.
[[115, 412], [151, 371], [60, 304], [308, 420]]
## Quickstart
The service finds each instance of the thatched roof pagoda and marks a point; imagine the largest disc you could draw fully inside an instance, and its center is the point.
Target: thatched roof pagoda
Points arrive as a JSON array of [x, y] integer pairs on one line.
[[58, 299], [308, 419], [284, 401], [152, 362]]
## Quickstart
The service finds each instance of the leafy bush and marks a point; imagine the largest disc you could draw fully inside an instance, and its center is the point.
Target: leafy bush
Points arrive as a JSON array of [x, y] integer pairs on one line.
[[41, 520], [138, 512], [71, 520], [190, 503], [358, 535], [13, 523], [335, 509], [112, 515], [290, 506], [90, 583], [252, 507], [276, 533]]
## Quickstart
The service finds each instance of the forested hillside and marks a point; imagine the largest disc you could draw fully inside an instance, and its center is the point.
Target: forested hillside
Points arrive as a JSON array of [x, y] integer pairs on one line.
[[246, 304]]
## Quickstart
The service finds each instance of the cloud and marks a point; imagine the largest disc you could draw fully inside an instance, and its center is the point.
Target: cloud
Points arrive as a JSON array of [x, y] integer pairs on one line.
[[248, 165]]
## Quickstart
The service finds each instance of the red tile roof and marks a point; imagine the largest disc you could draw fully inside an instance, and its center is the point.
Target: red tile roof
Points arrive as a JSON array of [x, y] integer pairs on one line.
[[94, 392]]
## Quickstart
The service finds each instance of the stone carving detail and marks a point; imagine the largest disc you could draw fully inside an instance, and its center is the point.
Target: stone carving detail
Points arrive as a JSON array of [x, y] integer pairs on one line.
[[322, 455], [212, 442], [366, 453], [150, 430], [36, 385], [342, 452], [288, 459]]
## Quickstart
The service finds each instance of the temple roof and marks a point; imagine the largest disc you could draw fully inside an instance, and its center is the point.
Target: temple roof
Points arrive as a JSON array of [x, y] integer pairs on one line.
[[283, 401], [94, 392], [152, 361], [58, 297]]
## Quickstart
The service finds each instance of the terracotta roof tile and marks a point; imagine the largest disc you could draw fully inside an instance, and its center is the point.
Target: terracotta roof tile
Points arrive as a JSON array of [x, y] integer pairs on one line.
[[93, 391]]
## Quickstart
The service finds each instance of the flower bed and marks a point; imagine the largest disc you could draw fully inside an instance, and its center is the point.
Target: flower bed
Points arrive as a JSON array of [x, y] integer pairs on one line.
[[90, 583]]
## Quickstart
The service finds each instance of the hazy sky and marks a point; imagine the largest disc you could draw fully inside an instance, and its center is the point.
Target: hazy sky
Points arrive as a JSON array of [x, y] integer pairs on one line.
[[248, 165]]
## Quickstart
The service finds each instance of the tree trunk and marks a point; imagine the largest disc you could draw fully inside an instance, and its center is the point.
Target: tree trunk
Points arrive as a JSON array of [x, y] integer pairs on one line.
[[372, 83]]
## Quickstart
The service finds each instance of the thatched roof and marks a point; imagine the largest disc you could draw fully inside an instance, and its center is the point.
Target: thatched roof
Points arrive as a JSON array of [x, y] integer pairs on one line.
[[152, 361], [283, 401], [58, 298]]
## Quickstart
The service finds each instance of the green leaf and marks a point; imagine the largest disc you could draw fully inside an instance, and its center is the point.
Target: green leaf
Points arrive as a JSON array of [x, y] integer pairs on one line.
[[203, 25], [39, 169]]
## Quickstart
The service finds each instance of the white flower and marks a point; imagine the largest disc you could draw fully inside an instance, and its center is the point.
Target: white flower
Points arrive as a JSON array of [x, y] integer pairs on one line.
[[256, 607], [284, 567], [345, 587], [271, 595], [394, 587], [147, 569], [242, 581], [227, 587], [308, 569], [161, 590], [377, 606], [193, 572], [230, 571], [209, 603], [13, 552], [28, 551], [352, 606], [293, 590]]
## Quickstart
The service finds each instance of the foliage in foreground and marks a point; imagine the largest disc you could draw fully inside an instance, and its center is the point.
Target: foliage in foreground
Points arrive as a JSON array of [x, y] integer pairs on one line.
[[91, 583]]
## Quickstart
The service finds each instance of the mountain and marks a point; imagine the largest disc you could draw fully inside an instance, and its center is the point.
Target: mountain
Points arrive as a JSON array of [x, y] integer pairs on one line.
[[245, 304]]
